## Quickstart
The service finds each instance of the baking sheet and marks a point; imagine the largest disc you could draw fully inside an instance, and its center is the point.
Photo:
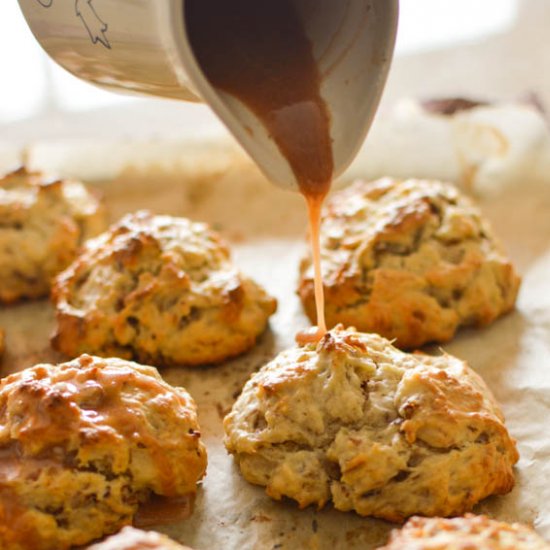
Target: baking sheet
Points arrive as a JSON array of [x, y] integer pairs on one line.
[[266, 228]]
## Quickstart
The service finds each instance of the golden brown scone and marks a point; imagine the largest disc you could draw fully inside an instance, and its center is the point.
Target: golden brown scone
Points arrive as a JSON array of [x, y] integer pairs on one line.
[[84, 443], [134, 539], [161, 290], [411, 260], [376, 430], [467, 533], [42, 225]]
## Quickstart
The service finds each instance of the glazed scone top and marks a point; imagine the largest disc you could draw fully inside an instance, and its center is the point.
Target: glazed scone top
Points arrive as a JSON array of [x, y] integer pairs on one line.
[[383, 432], [468, 532], [134, 539], [84, 444], [411, 260], [101, 412], [42, 224]]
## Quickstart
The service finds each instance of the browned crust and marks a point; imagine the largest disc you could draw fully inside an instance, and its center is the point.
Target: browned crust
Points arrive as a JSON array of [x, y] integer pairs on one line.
[[84, 443], [411, 260], [378, 431], [160, 290], [43, 223]]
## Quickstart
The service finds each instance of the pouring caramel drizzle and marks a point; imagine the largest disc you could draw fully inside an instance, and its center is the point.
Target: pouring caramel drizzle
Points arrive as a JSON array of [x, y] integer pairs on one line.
[[315, 204], [258, 51]]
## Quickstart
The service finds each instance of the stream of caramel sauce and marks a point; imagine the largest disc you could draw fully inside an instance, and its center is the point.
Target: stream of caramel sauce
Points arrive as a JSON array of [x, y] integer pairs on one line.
[[258, 52]]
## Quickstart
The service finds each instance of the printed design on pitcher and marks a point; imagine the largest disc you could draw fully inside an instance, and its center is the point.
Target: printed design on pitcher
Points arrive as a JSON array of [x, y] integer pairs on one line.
[[96, 27]]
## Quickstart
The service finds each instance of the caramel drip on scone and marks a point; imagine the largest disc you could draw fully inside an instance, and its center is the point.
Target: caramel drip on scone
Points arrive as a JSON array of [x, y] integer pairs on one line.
[[97, 392], [313, 335], [117, 414], [259, 52], [13, 466]]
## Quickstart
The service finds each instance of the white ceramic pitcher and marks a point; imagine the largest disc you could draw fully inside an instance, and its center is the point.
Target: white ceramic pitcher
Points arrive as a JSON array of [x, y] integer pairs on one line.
[[141, 46]]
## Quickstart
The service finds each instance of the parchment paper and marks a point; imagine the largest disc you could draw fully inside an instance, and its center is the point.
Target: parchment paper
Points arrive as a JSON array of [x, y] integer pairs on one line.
[[266, 229]]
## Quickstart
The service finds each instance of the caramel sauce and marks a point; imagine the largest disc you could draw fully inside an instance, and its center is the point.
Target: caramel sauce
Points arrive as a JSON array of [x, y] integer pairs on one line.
[[97, 393], [14, 467], [315, 204], [116, 413], [10, 464], [258, 52]]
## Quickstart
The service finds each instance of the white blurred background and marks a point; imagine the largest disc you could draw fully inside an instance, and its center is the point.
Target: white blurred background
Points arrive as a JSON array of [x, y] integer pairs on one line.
[[32, 85]]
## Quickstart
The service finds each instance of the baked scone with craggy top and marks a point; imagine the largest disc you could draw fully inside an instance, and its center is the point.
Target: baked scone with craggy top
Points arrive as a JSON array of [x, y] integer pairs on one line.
[[135, 539], [84, 444], [468, 532], [412, 260], [388, 434], [43, 223], [161, 290]]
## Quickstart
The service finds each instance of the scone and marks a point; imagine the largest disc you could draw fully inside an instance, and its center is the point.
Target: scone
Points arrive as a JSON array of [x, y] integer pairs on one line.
[[42, 225], [161, 290], [134, 539], [468, 532], [411, 260], [84, 443], [2, 342], [376, 430]]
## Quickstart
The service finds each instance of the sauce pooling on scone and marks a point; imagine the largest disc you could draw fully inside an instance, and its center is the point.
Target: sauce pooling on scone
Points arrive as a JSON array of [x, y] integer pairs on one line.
[[259, 52]]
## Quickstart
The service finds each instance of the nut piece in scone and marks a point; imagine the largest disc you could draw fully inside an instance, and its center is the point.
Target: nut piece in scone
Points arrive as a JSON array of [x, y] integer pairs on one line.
[[134, 539], [84, 444], [412, 260], [161, 290], [475, 532], [42, 225], [376, 430]]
